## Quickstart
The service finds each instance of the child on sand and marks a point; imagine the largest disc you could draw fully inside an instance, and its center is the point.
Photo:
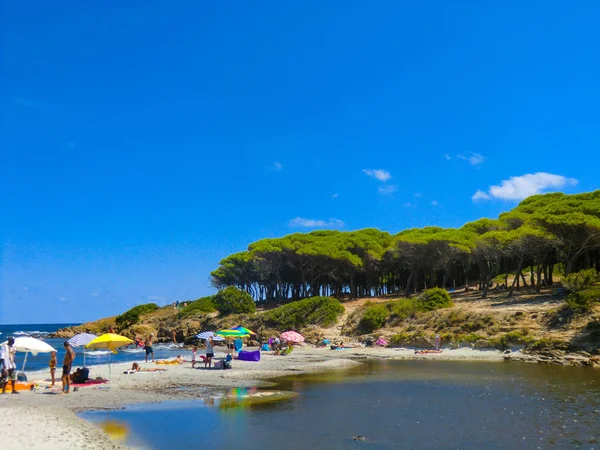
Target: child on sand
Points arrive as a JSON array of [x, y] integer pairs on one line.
[[194, 357], [52, 364]]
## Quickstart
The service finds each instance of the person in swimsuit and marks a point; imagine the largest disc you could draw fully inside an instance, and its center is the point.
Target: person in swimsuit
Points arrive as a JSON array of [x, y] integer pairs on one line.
[[194, 357], [67, 364], [209, 352], [8, 367], [52, 365], [148, 347]]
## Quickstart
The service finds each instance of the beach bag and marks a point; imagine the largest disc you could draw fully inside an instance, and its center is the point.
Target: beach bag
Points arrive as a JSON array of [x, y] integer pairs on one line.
[[219, 365], [22, 377]]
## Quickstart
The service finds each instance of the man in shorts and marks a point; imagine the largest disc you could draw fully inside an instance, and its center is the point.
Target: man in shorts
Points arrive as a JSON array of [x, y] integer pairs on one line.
[[67, 364], [148, 347], [8, 368]]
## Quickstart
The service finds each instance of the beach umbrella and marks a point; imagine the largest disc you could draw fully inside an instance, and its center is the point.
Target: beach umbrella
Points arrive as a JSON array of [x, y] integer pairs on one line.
[[110, 341], [82, 339], [206, 334], [381, 342], [115, 429], [292, 336], [27, 344], [231, 333], [245, 330]]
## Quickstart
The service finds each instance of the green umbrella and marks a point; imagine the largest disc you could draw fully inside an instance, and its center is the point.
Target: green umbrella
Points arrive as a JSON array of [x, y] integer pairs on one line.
[[245, 330], [232, 333]]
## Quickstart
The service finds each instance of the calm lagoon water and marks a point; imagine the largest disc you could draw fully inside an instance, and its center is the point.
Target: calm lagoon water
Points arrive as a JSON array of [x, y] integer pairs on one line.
[[394, 404]]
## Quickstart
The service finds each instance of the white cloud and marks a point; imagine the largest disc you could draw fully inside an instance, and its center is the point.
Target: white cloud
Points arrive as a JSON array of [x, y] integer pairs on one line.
[[300, 222], [447, 157], [380, 174], [154, 297], [277, 166], [475, 159], [388, 189], [334, 196], [435, 203], [95, 294], [518, 188], [480, 195], [63, 299], [418, 195], [407, 205]]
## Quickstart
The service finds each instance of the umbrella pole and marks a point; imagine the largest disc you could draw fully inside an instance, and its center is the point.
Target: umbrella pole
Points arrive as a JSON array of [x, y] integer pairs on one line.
[[109, 372], [24, 361], [83, 356]]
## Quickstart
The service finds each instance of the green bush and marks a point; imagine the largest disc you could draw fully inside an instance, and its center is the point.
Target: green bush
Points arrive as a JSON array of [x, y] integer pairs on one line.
[[578, 281], [405, 308], [582, 301], [232, 300], [323, 311], [435, 298], [375, 317], [201, 306], [519, 337], [132, 316]]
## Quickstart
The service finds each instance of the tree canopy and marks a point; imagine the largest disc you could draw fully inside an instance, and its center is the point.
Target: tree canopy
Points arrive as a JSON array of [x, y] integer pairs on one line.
[[542, 231]]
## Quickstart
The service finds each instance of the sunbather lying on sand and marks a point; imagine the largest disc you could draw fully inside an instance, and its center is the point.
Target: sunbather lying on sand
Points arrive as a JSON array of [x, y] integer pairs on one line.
[[178, 360], [424, 352], [135, 367]]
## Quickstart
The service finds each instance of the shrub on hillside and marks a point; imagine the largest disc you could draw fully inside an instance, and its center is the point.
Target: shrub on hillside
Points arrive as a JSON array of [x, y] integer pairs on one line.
[[581, 302], [232, 300], [435, 298], [323, 311], [405, 308], [132, 316], [578, 281], [201, 306], [375, 317]]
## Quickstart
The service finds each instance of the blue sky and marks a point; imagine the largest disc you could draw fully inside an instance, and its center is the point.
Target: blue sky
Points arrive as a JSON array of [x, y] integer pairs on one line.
[[141, 142]]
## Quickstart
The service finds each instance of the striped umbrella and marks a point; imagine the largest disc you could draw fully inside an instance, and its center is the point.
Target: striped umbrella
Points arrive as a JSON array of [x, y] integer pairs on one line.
[[292, 336], [231, 333], [82, 339], [205, 335]]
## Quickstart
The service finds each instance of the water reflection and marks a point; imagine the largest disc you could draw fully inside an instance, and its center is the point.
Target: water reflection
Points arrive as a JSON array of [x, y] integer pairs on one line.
[[395, 404]]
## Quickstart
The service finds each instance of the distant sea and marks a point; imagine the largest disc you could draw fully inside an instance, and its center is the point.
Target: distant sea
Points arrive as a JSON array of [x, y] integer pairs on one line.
[[94, 357]]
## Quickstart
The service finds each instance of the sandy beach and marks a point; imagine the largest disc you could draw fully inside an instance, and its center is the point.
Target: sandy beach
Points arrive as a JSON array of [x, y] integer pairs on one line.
[[45, 419]]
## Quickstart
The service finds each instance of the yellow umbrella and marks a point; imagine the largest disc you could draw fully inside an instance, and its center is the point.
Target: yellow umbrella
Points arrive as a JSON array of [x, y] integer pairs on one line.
[[110, 341]]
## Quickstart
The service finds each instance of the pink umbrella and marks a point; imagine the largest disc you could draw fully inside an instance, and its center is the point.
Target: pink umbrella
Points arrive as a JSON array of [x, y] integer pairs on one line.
[[381, 342], [292, 336]]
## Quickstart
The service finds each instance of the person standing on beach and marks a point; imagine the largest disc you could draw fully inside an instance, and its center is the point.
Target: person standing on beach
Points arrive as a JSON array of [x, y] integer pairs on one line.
[[52, 365], [67, 364], [209, 352], [437, 342], [194, 357], [7, 365], [148, 346]]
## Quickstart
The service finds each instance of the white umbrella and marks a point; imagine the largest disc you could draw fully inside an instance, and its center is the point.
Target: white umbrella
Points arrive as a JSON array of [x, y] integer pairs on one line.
[[208, 334], [82, 339], [31, 345]]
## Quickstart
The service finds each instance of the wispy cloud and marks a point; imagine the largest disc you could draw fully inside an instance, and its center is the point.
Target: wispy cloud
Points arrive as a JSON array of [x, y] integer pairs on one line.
[[388, 189], [300, 222], [380, 174], [63, 299], [418, 195], [25, 102], [277, 166], [518, 188], [334, 196], [154, 297], [475, 159], [408, 205], [95, 294], [447, 157], [435, 203]]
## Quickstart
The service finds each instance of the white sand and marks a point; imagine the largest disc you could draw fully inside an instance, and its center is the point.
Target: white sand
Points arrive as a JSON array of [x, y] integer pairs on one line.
[[45, 419]]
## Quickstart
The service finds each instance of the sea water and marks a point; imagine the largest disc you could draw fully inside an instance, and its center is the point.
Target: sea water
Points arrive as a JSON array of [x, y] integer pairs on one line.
[[92, 358], [392, 404]]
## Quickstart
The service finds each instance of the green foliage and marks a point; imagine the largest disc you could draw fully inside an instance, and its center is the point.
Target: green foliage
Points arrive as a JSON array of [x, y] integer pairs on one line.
[[518, 338], [405, 308], [201, 306], [232, 300], [375, 317], [435, 298], [322, 311], [578, 281], [132, 316], [582, 302]]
